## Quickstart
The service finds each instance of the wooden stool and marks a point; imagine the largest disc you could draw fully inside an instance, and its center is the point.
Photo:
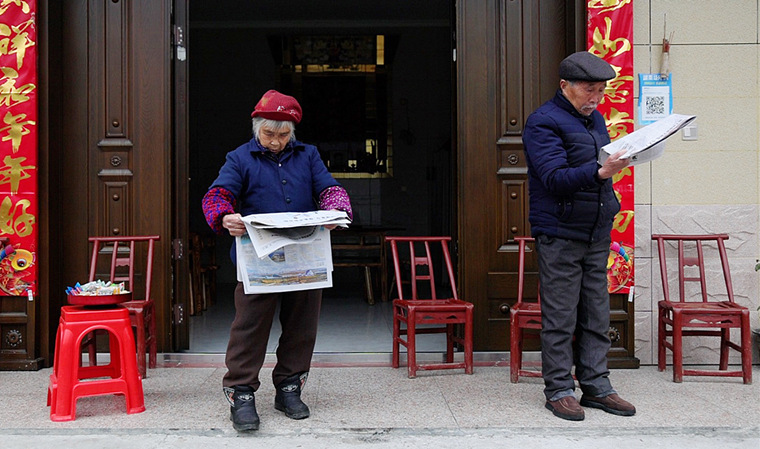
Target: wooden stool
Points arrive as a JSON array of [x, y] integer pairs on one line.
[[70, 380]]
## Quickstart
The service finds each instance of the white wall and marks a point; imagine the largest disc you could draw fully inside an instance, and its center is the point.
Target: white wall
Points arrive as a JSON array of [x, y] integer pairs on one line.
[[709, 185]]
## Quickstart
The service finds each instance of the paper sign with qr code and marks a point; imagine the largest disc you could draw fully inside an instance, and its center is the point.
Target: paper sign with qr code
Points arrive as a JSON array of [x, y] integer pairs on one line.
[[655, 97]]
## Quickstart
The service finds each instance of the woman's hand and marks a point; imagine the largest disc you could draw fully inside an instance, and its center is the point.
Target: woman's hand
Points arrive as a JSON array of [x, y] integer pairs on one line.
[[331, 226], [234, 224]]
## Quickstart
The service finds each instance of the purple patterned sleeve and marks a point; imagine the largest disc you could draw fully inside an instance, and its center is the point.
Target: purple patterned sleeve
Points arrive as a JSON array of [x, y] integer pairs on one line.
[[336, 197], [217, 203]]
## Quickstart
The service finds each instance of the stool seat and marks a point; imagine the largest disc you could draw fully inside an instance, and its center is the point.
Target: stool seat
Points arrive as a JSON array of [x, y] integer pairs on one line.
[[70, 380]]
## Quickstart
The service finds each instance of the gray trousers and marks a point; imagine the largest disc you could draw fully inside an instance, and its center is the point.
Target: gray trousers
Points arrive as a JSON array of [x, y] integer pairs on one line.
[[249, 335], [574, 302]]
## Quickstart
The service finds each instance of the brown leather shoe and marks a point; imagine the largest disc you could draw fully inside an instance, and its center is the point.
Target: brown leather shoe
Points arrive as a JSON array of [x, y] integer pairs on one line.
[[566, 408], [611, 404]]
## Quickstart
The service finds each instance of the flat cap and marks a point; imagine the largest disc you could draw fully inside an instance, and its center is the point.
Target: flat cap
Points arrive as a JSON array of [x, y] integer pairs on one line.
[[583, 66]]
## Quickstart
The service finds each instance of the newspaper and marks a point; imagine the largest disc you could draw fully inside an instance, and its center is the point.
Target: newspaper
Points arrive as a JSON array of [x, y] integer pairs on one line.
[[282, 253], [647, 143], [297, 219], [269, 232], [264, 241], [290, 268]]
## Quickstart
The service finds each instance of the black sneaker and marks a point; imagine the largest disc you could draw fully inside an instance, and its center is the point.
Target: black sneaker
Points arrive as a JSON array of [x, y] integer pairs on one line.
[[242, 408], [288, 397]]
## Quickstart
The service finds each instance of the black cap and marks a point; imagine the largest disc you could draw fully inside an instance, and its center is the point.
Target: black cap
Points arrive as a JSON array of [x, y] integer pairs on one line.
[[583, 66]]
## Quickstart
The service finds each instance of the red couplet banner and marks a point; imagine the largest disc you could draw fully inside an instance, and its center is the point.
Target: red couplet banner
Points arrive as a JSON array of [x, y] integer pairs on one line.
[[610, 36], [18, 148]]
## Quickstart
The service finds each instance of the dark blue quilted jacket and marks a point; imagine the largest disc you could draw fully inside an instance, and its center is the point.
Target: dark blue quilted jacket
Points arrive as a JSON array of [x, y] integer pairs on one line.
[[262, 184], [567, 200]]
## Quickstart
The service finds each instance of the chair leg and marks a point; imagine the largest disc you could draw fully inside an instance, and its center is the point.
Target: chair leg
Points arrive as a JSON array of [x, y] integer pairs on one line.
[[468, 362], [53, 383], [449, 343], [140, 334], [396, 337], [368, 285], [152, 346], [62, 407], [661, 328], [746, 342], [411, 346], [204, 289], [111, 370], [725, 337], [515, 353], [677, 349], [134, 392], [92, 347]]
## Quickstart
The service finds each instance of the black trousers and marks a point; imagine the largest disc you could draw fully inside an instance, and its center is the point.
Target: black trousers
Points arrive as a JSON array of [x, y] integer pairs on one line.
[[249, 334]]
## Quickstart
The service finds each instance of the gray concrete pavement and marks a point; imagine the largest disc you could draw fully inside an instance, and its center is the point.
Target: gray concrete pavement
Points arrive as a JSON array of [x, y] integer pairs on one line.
[[380, 407]]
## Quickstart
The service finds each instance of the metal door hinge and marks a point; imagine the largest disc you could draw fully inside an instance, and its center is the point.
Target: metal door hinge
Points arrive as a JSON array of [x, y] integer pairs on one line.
[[179, 314], [178, 249], [178, 35], [178, 40]]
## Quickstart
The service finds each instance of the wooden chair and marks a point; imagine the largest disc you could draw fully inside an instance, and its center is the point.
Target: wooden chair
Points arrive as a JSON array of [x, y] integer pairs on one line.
[[122, 269], [708, 316], [208, 269], [203, 270], [523, 315], [419, 316]]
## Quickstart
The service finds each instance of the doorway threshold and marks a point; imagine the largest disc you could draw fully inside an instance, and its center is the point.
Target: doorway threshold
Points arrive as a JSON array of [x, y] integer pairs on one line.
[[339, 359]]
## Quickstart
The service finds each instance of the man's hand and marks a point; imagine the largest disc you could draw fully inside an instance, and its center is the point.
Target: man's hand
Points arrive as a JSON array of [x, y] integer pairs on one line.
[[234, 224], [612, 165]]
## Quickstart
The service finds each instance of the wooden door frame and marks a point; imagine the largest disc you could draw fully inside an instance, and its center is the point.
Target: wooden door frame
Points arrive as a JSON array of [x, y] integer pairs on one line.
[[180, 178]]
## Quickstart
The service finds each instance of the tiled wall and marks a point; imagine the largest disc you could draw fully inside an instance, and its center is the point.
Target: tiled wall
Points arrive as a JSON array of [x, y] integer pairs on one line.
[[709, 185]]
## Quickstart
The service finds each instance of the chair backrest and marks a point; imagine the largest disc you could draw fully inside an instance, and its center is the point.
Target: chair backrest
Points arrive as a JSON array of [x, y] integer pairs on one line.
[[122, 254], [421, 266], [697, 261], [522, 248]]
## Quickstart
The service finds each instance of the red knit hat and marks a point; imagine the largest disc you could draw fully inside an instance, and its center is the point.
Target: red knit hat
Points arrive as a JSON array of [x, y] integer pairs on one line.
[[276, 106]]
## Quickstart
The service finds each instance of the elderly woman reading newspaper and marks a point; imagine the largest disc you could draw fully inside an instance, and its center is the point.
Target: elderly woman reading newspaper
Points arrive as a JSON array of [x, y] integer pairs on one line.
[[273, 172]]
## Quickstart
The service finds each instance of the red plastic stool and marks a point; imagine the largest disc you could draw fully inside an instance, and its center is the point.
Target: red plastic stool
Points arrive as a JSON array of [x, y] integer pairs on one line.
[[71, 381]]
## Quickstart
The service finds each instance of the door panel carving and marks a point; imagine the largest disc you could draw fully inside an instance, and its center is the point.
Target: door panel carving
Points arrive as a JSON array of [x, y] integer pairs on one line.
[[116, 46]]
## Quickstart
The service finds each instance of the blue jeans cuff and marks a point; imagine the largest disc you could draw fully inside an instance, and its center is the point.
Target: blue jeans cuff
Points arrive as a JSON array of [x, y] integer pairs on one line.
[[561, 394], [605, 394]]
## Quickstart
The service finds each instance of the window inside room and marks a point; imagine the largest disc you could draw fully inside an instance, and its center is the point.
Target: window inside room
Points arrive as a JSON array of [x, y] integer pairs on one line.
[[343, 85]]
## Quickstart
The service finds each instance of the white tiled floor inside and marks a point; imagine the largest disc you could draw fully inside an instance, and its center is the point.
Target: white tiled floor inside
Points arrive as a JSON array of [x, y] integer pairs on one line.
[[348, 324]]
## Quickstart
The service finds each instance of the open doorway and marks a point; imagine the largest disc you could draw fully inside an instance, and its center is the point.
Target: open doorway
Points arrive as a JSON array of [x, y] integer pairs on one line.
[[237, 50]]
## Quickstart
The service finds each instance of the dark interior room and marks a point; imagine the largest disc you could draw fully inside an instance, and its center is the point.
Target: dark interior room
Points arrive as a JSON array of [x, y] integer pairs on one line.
[[374, 79]]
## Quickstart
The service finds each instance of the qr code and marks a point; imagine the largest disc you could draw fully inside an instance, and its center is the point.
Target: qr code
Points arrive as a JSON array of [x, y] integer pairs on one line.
[[655, 105]]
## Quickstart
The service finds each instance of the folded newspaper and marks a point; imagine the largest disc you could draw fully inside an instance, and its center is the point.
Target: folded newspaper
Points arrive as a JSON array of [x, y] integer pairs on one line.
[[295, 219], [287, 251], [270, 232], [647, 143]]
